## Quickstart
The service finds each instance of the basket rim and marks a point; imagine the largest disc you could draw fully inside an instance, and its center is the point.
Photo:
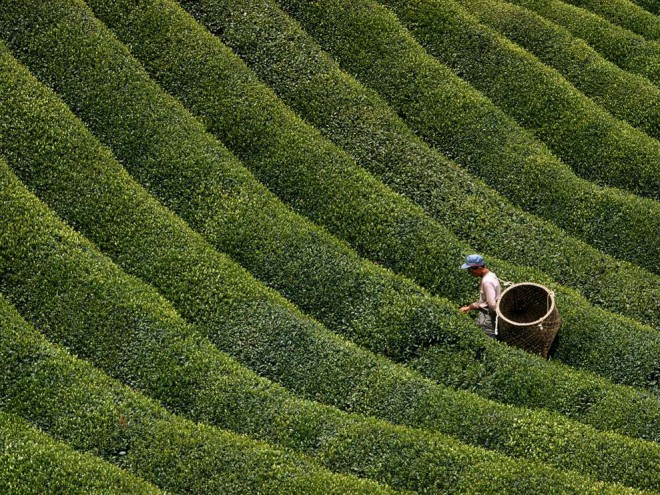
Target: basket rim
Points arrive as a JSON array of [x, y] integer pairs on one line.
[[499, 299]]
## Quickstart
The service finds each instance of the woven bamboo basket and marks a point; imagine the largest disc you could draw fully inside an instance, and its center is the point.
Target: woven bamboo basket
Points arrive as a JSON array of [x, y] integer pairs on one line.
[[527, 317]]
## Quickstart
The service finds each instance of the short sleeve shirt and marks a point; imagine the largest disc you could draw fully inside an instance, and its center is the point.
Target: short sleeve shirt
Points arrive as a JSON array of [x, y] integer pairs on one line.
[[489, 291]]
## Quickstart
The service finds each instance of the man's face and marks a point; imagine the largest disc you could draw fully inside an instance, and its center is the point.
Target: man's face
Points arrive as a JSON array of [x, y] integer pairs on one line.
[[475, 271]]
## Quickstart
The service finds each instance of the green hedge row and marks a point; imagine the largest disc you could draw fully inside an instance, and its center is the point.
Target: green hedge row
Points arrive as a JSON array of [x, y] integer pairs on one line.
[[33, 463], [374, 309], [79, 298], [651, 5], [76, 404], [381, 224], [598, 147], [119, 324], [370, 43], [626, 49], [624, 13], [625, 95], [240, 316], [358, 121]]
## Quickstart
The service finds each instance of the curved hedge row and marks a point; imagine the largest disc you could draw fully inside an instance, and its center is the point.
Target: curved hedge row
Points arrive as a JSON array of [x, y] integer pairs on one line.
[[625, 95], [316, 173], [361, 123], [626, 49], [650, 5], [597, 146], [75, 403], [386, 315], [240, 315], [370, 42], [78, 297], [32, 463], [624, 13]]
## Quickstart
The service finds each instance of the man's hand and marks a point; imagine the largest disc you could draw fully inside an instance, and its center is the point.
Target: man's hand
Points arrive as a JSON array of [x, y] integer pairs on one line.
[[466, 309]]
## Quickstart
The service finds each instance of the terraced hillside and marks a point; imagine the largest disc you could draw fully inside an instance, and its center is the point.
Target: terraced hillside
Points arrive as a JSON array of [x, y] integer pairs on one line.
[[230, 234]]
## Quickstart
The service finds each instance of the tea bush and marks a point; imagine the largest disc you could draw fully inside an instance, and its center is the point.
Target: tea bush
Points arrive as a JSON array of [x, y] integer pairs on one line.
[[76, 404], [625, 95], [77, 297], [394, 230], [624, 13], [626, 49], [33, 463], [370, 43], [361, 123], [237, 313]]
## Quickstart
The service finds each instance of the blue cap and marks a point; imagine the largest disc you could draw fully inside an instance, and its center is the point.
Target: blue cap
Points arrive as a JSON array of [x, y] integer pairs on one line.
[[473, 260]]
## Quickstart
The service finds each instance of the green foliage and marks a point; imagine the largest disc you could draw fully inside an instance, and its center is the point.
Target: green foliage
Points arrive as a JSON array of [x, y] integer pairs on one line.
[[32, 463], [77, 297], [361, 123], [325, 184], [626, 14], [369, 42], [150, 244], [597, 146], [626, 49], [650, 5], [65, 286], [625, 95], [77, 404]]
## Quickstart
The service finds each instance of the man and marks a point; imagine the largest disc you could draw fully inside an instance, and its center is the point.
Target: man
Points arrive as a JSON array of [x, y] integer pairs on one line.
[[489, 291]]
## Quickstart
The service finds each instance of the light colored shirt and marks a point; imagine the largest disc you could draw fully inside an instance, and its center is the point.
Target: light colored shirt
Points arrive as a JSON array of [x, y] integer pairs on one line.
[[489, 291]]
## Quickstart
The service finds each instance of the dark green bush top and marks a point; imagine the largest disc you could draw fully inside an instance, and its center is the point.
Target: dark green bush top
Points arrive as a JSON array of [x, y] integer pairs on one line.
[[32, 463], [457, 334], [77, 404], [626, 14], [627, 96], [362, 124], [597, 146], [626, 49], [74, 294]]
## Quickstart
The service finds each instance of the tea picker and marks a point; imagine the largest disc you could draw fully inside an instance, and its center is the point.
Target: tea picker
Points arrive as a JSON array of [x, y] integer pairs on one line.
[[523, 315]]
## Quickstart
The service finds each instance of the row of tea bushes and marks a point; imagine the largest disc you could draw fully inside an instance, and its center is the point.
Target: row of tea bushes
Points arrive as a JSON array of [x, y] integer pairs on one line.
[[624, 13], [408, 317], [119, 324], [411, 240], [244, 318], [370, 43], [390, 317], [33, 463], [650, 5], [75, 295], [76, 404], [627, 96], [355, 119], [597, 146], [626, 49]]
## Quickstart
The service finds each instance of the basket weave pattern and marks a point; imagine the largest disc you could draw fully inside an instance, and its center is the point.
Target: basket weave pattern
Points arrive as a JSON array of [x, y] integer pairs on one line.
[[527, 317]]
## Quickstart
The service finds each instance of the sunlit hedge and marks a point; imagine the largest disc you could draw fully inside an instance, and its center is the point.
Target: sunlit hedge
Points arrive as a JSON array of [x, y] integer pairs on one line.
[[628, 50], [76, 404], [33, 463], [597, 146], [624, 13], [383, 313], [234, 311], [357, 120], [625, 95], [321, 182], [370, 43], [77, 297]]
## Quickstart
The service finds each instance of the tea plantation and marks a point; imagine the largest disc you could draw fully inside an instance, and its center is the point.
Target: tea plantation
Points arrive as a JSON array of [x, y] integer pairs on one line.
[[231, 233]]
